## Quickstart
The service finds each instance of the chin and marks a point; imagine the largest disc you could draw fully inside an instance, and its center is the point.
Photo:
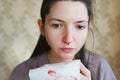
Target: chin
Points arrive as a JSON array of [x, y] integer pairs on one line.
[[67, 57]]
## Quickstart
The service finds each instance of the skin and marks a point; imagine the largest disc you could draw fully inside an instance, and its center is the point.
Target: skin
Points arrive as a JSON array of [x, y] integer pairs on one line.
[[65, 29]]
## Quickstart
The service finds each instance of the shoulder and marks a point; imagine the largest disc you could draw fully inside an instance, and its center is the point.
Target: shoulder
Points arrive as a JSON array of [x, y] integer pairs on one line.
[[21, 71], [99, 67], [93, 58]]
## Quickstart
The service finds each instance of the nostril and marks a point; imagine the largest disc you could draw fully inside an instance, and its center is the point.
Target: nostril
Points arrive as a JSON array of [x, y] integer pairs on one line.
[[67, 43]]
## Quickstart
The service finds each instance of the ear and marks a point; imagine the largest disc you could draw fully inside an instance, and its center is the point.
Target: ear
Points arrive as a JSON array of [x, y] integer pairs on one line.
[[41, 27]]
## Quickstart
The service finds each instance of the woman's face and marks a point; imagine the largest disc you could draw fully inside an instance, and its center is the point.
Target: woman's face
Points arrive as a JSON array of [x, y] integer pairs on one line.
[[66, 28]]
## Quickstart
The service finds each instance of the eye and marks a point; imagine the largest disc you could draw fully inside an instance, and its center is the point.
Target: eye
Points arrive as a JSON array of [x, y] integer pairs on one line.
[[80, 27], [56, 25]]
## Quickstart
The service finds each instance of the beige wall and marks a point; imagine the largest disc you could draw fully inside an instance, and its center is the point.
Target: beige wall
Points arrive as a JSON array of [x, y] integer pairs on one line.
[[19, 32]]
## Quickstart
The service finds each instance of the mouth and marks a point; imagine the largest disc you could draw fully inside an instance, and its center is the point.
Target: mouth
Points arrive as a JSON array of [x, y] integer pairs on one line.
[[67, 50]]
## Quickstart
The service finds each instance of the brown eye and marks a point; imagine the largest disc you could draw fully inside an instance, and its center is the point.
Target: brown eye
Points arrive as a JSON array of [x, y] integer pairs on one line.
[[56, 25], [80, 27]]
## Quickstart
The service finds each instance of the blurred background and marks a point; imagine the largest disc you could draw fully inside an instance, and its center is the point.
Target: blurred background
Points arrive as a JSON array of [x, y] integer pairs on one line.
[[19, 33]]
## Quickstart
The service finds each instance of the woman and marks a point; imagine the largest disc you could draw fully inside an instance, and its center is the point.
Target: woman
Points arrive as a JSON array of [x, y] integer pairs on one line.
[[64, 26]]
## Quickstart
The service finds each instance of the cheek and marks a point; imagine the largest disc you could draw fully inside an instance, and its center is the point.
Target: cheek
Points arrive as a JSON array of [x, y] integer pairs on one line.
[[53, 38], [81, 38], [85, 36]]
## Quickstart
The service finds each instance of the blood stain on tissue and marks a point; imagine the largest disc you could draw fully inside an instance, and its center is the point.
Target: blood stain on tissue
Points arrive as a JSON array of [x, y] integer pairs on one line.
[[59, 76], [51, 72]]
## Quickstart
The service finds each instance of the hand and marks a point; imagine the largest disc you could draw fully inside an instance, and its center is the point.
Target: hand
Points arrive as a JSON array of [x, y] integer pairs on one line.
[[85, 73]]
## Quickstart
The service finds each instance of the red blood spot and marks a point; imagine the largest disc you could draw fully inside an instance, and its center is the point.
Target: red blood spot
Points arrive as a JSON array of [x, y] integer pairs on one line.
[[75, 78], [51, 72]]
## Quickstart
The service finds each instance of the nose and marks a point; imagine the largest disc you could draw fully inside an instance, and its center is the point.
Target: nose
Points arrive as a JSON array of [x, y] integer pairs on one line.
[[68, 36]]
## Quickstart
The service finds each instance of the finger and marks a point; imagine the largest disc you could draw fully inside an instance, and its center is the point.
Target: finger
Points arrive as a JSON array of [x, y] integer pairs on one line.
[[84, 71], [82, 77]]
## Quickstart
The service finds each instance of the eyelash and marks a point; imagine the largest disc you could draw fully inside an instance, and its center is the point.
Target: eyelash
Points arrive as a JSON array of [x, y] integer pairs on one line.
[[56, 25], [80, 27]]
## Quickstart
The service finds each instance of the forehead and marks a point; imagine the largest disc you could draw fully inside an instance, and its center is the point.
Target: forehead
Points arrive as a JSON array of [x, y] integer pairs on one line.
[[68, 9]]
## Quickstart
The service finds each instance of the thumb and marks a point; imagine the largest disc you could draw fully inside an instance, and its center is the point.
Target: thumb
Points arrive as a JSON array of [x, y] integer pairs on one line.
[[85, 72]]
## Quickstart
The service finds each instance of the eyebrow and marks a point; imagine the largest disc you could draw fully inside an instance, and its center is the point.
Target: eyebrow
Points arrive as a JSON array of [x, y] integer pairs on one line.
[[81, 21], [55, 19]]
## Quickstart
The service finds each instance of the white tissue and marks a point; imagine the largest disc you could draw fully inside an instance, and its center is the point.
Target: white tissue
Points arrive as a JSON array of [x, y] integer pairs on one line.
[[58, 71]]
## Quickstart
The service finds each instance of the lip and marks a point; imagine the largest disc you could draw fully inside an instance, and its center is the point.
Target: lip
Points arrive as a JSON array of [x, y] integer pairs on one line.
[[67, 50]]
